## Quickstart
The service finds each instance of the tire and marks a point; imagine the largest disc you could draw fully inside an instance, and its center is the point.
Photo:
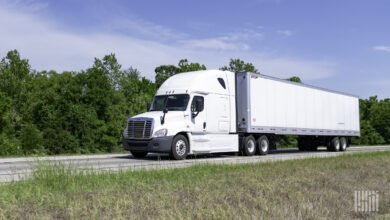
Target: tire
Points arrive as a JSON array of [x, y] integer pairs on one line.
[[179, 148], [343, 144], [138, 154], [263, 145], [249, 146], [335, 144]]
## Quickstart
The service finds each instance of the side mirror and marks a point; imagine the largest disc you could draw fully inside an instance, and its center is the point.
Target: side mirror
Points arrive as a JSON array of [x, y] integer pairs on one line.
[[162, 119], [128, 113], [148, 105]]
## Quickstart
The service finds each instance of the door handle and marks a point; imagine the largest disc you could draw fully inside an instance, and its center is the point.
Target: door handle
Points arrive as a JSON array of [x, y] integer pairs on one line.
[[204, 125]]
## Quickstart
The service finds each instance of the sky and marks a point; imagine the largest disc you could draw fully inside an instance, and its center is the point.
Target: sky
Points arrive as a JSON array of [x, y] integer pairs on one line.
[[342, 45]]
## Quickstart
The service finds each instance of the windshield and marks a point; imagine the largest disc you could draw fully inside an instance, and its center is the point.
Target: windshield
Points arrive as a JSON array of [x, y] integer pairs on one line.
[[171, 102]]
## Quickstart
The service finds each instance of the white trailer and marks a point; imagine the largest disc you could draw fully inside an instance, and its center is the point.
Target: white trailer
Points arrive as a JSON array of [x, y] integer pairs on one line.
[[220, 111]]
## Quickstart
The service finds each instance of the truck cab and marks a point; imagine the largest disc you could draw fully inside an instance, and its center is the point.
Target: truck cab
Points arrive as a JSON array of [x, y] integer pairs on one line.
[[191, 113]]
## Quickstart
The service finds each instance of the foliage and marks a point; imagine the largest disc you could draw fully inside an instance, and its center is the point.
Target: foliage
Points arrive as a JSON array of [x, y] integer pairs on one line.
[[295, 79], [72, 112], [163, 72], [237, 65], [374, 121]]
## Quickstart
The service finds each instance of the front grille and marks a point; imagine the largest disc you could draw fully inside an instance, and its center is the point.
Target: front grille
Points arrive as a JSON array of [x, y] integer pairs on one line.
[[139, 129]]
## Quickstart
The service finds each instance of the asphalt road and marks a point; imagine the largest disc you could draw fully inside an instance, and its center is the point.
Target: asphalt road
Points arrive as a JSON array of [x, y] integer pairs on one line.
[[14, 169]]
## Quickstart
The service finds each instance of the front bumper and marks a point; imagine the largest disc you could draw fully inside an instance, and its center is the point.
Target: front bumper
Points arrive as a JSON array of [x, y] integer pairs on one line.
[[158, 145]]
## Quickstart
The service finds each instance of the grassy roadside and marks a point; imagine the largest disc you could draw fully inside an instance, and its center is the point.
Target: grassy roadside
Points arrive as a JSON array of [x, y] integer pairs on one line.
[[309, 189], [61, 155]]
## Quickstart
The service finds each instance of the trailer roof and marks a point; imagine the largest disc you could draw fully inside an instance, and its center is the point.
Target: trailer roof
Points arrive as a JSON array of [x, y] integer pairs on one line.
[[300, 84]]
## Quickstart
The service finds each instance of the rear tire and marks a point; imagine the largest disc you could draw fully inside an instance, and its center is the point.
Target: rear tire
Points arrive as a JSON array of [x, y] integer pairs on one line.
[[343, 144], [263, 145], [334, 144], [179, 148], [138, 154], [249, 146]]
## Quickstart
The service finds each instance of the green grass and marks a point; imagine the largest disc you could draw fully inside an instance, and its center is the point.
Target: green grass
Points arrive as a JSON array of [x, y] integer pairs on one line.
[[121, 151], [320, 188]]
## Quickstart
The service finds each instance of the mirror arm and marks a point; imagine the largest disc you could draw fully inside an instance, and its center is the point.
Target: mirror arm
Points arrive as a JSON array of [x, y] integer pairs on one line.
[[195, 114]]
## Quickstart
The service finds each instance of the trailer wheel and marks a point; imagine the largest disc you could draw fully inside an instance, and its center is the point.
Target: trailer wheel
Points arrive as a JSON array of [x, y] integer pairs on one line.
[[263, 145], [138, 154], [343, 144], [335, 144], [179, 148], [249, 146]]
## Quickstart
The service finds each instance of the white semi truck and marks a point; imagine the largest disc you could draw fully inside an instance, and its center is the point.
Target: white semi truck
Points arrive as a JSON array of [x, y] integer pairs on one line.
[[216, 111]]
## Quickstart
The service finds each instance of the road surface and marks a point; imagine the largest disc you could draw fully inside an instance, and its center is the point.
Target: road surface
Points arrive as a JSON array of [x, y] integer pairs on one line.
[[13, 169]]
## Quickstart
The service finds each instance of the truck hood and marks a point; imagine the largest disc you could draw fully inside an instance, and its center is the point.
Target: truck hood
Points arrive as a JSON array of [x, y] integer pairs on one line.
[[170, 122]]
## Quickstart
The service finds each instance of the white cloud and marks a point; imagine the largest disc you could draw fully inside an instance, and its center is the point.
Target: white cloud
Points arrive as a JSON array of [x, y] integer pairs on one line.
[[286, 33], [381, 48], [48, 46]]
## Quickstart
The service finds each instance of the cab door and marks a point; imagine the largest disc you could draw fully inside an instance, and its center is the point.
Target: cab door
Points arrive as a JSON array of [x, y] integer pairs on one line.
[[198, 124]]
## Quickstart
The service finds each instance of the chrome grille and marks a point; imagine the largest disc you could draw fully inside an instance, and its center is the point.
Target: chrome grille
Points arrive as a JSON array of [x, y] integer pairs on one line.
[[139, 129]]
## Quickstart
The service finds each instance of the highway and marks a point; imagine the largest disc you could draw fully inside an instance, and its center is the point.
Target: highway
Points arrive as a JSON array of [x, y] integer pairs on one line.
[[14, 169]]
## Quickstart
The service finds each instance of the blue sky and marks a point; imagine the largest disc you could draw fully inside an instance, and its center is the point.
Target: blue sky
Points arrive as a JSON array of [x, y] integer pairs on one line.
[[341, 45]]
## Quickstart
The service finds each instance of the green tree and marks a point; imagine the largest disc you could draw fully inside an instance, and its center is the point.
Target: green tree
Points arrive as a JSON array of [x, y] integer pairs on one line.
[[110, 67], [137, 91], [5, 106], [295, 79], [368, 135], [237, 65], [14, 72], [380, 118], [163, 72]]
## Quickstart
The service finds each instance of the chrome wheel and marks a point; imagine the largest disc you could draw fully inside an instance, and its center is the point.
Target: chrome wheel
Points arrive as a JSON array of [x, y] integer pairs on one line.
[[337, 145], [264, 145], [343, 144], [251, 145], [181, 147]]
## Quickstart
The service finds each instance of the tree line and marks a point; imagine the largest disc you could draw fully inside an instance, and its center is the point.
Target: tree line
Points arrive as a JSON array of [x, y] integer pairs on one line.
[[47, 112]]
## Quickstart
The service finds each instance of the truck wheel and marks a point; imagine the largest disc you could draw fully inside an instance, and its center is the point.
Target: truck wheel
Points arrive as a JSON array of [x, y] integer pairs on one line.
[[263, 145], [179, 148], [138, 154], [249, 146], [343, 144], [335, 144]]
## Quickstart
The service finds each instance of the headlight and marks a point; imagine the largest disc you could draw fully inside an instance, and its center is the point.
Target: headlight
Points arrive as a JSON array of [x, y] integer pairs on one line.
[[161, 133]]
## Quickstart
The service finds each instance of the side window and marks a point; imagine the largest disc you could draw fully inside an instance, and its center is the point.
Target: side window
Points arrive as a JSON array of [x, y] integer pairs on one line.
[[222, 82], [197, 104]]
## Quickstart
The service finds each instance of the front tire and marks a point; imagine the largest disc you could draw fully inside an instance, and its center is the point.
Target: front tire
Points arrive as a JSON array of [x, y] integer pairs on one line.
[[138, 154], [179, 148]]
